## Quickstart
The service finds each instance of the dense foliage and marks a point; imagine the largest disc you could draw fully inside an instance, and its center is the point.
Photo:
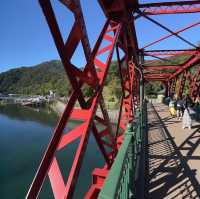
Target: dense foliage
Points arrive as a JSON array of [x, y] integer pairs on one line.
[[152, 88], [42, 78], [39, 79]]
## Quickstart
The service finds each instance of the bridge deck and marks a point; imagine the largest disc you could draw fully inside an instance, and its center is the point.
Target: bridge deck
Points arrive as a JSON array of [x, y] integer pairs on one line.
[[173, 156]]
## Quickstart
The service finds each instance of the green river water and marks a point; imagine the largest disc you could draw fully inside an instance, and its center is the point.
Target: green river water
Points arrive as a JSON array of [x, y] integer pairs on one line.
[[24, 136]]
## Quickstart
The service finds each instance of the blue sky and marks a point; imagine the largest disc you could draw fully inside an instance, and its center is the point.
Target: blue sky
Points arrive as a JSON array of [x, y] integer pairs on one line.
[[25, 39]]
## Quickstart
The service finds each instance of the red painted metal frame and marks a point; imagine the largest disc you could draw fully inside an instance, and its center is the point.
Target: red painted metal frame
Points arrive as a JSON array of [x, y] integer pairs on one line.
[[177, 7], [189, 63], [195, 86], [182, 81], [159, 68], [169, 52], [157, 77], [93, 75], [85, 113], [118, 31], [126, 112], [167, 8], [173, 86], [173, 34]]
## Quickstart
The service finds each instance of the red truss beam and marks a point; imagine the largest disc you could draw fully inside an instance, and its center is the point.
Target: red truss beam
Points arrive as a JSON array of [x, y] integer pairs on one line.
[[168, 88], [96, 68], [185, 76], [169, 52], [118, 31], [155, 79], [158, 68], [175, 33], [93, 75], [190, 63], [174, 85], [157, 76], [177, 7], [126, 111], [127, 79], [195, 86], [118, 9]]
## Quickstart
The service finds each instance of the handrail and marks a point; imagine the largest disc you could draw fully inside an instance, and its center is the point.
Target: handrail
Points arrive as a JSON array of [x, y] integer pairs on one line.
[[120, 181]]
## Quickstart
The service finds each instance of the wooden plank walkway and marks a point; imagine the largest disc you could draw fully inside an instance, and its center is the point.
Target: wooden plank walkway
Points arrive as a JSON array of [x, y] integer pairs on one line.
[[173, 156]]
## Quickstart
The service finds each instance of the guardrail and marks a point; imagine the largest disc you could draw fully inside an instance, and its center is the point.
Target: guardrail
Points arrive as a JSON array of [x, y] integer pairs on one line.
[[120, 181]]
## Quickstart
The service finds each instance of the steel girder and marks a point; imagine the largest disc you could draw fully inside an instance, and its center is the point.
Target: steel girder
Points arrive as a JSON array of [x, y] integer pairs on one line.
[[173, 86], [118, 35], [157, 75], [159, 68], [195, 86], [172, 33], [184, 76], [168, 53], [176, 7], [170, 8], [195, 59]]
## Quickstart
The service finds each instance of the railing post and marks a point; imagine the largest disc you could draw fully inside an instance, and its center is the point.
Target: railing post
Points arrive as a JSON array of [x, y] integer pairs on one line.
[[131, 159], [121, 182]]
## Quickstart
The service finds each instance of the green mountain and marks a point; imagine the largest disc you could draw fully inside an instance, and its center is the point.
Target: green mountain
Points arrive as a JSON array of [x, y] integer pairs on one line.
[[42, 78], [38, 79]]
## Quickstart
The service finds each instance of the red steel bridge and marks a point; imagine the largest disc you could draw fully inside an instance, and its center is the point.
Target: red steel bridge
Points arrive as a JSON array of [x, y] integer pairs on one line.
[[123, 143]]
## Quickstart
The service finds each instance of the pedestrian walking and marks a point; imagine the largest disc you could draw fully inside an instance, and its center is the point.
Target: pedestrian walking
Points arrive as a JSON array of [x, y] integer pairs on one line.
[[179, 108], [172, 107], [187, 120], [197, 108]]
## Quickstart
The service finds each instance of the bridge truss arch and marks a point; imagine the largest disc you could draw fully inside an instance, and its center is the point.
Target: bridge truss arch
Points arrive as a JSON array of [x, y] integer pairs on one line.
[[118, 34]]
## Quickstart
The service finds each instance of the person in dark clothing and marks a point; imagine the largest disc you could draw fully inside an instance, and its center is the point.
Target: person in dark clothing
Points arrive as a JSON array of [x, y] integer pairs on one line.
[[179, 108], [188, 101]]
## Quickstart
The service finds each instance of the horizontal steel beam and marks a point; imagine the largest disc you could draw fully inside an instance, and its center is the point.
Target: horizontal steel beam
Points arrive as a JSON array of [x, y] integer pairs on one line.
[[158, 68], [174, 3], [169, 52], [176, 7], [172, 33], [155, 76], [155, 79], [190, 63]]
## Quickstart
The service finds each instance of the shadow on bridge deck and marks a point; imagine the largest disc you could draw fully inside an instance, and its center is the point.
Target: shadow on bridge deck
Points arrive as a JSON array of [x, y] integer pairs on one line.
[[173, 157]]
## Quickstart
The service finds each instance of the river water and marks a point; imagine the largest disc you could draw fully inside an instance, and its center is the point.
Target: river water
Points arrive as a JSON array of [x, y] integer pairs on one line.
[[24, 136]]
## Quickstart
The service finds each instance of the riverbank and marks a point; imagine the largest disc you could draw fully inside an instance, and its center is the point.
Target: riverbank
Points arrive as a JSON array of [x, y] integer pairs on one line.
[[58, 107], [32, 101]]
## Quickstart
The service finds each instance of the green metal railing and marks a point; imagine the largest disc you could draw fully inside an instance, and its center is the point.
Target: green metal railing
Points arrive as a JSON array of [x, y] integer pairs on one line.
[[120, 182]]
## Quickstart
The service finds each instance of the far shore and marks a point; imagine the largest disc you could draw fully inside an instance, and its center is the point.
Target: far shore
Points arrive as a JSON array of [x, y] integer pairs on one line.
[[59, 107]]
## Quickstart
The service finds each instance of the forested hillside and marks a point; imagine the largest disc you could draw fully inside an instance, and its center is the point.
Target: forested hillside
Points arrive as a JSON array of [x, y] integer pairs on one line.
[[154, 87], [42, 78], [38, 79]]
